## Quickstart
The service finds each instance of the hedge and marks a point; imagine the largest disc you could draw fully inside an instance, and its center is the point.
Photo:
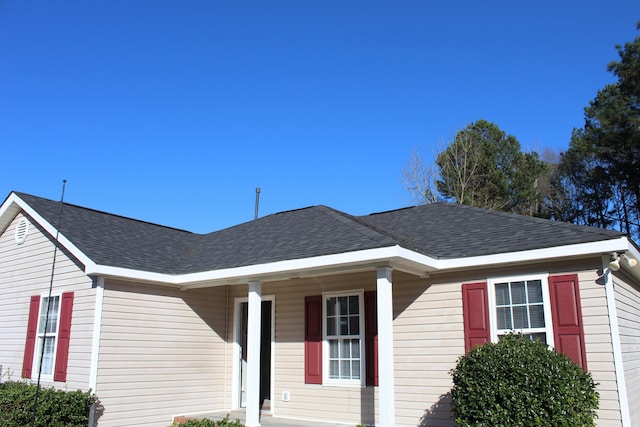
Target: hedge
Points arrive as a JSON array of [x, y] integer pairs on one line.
[[56, 408], [520, 382]]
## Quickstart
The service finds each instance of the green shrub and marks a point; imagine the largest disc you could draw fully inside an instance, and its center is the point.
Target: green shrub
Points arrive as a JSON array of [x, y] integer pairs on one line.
[[519, 382], [225, 422], [55, 407]]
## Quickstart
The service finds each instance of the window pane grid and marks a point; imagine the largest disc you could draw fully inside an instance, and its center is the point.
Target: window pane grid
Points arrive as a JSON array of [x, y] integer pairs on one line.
[[343, 337], [344, 359], [519, 306], [47, 333]]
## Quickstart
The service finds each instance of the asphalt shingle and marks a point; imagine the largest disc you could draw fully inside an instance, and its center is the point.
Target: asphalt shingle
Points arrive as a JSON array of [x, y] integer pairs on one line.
[[439, 230]]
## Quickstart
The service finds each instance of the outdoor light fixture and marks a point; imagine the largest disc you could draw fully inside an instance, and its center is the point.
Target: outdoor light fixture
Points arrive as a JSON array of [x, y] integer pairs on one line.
[[630, 262], [615, 259]]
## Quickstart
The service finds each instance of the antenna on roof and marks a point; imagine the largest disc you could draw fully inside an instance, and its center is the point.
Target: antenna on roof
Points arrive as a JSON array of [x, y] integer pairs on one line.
[[49, 304], [255, 214]]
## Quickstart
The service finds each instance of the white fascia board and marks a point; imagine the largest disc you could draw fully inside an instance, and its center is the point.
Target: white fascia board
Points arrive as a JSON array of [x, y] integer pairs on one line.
[[13, 200], [9, 210], [131, 274], [557, 252], [293, 268], [392, 255]]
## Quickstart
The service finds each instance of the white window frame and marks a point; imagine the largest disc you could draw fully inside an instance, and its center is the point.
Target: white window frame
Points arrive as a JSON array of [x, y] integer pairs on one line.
[[327, 380], [546, 303], [44, 298]]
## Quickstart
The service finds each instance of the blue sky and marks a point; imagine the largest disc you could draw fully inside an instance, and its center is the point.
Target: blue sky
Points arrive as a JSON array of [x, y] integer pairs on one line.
[[175, 111]]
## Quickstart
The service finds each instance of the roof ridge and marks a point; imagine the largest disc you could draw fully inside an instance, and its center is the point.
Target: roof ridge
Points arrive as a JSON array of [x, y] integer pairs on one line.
[[372, 231]]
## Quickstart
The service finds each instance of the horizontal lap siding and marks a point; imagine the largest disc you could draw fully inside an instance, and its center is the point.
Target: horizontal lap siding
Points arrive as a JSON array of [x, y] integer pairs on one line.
[[25, 270], [310, 401], [429, 337], [628, 308], [161, 353], [597, 335]]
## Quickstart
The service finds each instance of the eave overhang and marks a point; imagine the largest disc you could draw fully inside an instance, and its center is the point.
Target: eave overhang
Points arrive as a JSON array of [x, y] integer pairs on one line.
[[397, 257]]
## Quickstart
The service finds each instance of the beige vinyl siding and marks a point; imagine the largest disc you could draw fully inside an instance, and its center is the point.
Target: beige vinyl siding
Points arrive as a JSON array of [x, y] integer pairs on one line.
[[161, 353], [309, 401], [597, 335], [428, 339], [628, 308], [25, 271]]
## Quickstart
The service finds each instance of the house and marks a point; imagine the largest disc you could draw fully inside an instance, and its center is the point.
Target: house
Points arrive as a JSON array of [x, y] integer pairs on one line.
[[307, 314]]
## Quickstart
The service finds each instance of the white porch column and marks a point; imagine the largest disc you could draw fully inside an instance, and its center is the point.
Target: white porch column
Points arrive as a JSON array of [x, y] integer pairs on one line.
[[253, 354], [386, 393]]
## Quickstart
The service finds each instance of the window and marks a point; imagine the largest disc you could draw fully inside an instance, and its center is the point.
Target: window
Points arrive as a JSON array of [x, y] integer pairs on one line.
[[540, 306], [47, 335], [343, 337], [521, 305]]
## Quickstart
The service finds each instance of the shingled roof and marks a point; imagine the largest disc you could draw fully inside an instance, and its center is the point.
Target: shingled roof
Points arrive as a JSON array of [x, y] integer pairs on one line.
[[437, 230], [445, 231]]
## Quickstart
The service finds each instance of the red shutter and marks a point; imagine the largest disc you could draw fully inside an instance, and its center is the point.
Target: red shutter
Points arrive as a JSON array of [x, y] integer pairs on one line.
[[64, 334], [313, 340], [566, 313], [475, 309], [30, 345], [371, 337]]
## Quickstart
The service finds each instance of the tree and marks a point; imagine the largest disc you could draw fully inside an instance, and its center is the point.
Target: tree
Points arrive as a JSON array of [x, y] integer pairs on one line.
[[601, 164], [419, 179], [484, 167]]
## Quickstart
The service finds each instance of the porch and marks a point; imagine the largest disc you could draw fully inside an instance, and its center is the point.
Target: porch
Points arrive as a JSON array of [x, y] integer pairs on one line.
[[267, 420]]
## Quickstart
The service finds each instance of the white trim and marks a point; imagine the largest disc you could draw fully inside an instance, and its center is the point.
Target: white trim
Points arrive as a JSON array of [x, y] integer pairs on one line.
[[235, 379], [556, 252], [546, 303], [95, 346], [253, 354], [21, 231], [386, 389], [615, 342], [95, 339], [327, 380], [237, 320], [49, 228], [396, 257], [35, 369]]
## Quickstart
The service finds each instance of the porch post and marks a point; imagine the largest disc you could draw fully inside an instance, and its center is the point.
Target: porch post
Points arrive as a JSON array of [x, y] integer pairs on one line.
[[386, 393], [253, 354]]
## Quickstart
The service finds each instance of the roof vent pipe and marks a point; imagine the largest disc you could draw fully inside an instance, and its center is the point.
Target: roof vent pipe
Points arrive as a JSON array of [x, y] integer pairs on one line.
[[255, 214]]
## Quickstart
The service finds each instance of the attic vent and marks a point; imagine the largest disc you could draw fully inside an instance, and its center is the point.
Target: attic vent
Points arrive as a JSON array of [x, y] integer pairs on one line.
[[22, 229]]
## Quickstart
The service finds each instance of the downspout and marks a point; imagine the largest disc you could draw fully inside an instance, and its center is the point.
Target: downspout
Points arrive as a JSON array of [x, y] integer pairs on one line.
[[95, 345], [615, 342]]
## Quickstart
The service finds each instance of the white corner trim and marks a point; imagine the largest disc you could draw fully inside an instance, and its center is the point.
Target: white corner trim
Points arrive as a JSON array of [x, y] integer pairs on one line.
[[97, 330], [615, 342]]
